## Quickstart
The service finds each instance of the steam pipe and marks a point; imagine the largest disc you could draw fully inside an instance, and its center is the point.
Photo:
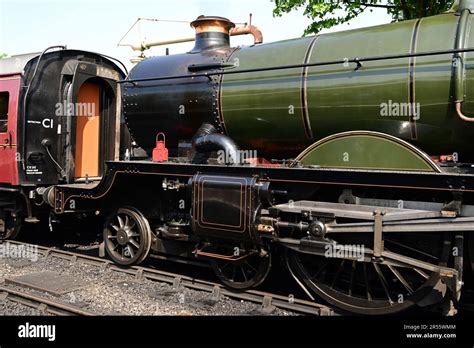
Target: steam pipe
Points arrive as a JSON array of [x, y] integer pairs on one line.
[[461, 114], [248, 29], [244, 30], [459, 66], [208, 140]]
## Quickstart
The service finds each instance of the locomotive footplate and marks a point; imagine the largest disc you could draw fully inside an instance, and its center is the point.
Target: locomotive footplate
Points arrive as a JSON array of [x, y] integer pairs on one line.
[[443, 183]]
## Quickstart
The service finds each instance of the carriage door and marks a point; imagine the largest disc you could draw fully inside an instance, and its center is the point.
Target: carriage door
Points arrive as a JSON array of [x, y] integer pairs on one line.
[[87, 154], [9, 88]]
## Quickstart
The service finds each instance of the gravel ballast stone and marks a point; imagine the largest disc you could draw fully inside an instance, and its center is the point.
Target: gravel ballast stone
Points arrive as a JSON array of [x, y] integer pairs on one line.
[[108, 292]]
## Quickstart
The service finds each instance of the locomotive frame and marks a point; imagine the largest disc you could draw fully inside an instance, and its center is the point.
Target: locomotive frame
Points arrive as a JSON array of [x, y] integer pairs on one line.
[[273, 224]]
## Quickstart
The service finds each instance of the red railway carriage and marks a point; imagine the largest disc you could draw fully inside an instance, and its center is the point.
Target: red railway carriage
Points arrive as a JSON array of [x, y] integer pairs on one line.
[[10, 79], [9, 89]]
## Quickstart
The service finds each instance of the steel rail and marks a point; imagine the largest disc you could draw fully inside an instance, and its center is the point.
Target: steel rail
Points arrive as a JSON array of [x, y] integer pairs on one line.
[[42, 303], [267, 300]]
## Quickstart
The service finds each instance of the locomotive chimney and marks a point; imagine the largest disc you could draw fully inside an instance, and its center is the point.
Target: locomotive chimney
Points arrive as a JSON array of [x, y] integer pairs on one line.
[[211, 32]]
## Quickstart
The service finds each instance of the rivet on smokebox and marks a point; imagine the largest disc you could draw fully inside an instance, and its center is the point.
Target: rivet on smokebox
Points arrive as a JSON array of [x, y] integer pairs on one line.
[[160, 152]]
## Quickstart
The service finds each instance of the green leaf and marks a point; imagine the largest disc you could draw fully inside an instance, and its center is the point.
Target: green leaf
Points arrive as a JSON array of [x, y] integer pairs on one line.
[[327, 14]]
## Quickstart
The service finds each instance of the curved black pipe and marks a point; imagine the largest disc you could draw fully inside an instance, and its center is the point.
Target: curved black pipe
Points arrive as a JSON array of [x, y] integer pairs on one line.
[[208, 140], [205, 129]]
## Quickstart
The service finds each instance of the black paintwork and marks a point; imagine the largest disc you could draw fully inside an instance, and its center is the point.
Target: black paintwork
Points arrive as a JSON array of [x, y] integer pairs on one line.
[[176, 107], [298, 182], [223, 206], [57, 71]]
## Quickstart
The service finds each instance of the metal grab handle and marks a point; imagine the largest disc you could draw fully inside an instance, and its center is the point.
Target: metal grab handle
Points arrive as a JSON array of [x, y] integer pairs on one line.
[[158, 136], [459, 66], [461, 115]]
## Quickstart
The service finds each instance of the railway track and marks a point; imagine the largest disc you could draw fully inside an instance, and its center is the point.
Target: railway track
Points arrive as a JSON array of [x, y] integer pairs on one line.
[[268, 301], [44, 305]]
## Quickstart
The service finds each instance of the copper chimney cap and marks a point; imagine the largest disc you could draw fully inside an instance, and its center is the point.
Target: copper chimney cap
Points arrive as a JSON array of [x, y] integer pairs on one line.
[[206, 24]]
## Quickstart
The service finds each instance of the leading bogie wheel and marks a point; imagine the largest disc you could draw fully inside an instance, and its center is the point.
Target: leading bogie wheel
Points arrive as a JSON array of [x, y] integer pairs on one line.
[[127, 237]]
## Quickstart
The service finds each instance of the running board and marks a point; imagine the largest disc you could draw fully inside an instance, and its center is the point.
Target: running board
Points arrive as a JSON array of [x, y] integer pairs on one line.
[[319, 219], [358, 212]]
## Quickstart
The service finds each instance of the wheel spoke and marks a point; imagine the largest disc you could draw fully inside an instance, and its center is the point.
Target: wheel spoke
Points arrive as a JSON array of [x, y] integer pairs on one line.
[[366, 279], [320, 270], [351, 284], [121, 224], [243, 273], [127, 220], [250, 266], [134, 243], [114, 227], [338, 273], [112, 237], [411, 249], [401, 279], [225, 266], [420, 272], [130, 250], [383, 281]]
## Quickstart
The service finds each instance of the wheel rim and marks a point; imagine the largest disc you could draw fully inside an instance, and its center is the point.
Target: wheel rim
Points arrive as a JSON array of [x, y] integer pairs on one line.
[[244, 274], [127, 237], [10, 229], [371, 288]]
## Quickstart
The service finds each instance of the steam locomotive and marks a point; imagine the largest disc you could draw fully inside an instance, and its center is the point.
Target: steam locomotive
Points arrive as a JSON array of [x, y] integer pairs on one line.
[[347, 156]]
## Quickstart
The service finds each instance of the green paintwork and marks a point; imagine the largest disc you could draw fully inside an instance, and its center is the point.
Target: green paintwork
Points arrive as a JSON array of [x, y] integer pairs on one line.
[[255, 106], [342, 98], [366, 150]]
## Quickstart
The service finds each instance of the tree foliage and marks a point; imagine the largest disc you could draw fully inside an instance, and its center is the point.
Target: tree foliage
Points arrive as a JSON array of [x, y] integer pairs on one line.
[[326, 13], [3, 55]]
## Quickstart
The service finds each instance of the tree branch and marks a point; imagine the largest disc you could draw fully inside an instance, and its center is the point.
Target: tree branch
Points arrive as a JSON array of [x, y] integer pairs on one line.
[[366, 4]]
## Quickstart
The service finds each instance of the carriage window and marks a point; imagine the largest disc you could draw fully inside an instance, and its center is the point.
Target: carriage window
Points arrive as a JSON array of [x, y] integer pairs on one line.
[[4, 112]]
